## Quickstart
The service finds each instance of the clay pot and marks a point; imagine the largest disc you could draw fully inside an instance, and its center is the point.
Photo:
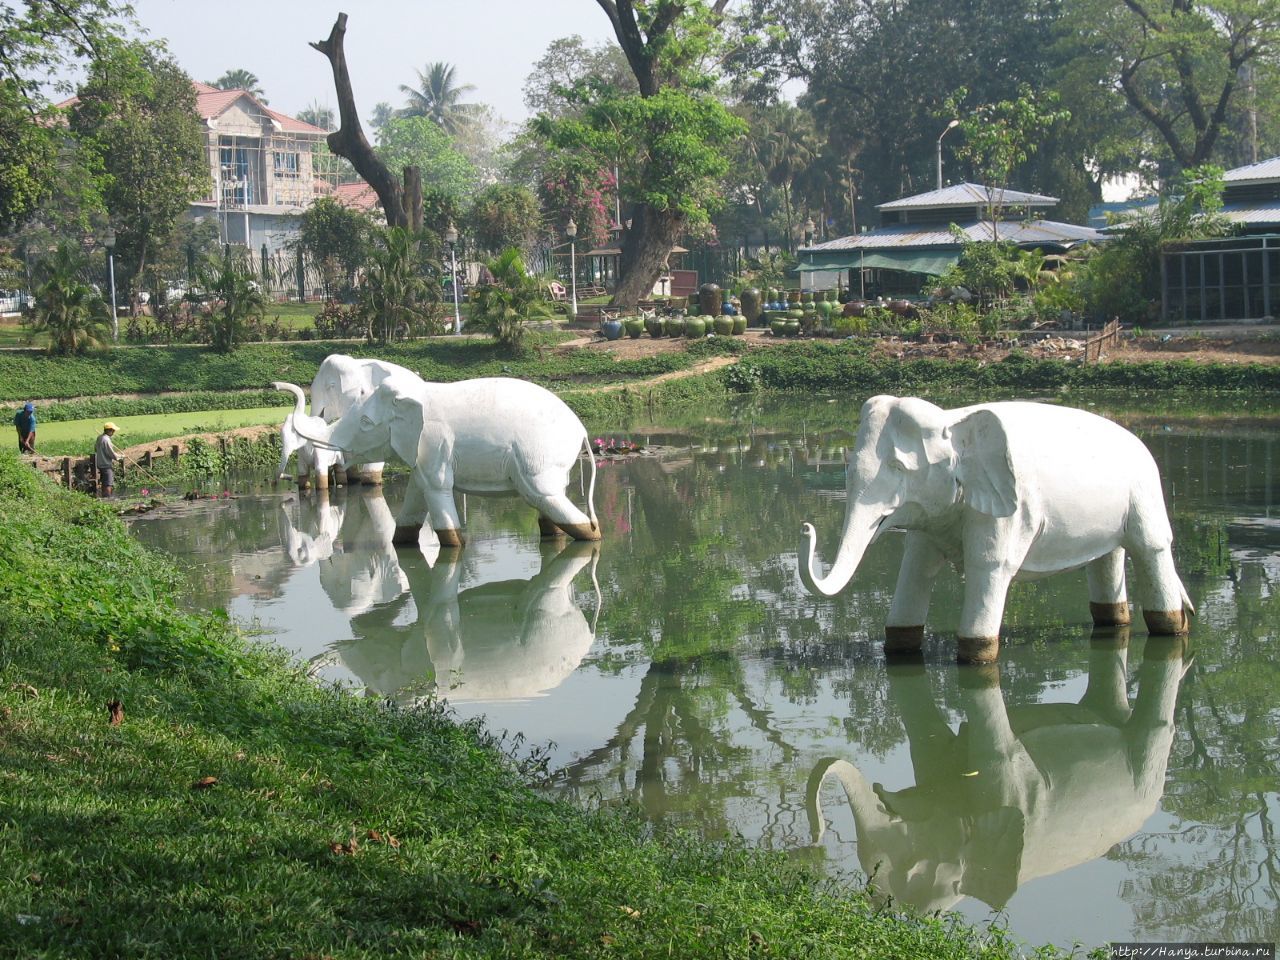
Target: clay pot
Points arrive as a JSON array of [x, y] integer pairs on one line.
[[694, 327], [710, 296]]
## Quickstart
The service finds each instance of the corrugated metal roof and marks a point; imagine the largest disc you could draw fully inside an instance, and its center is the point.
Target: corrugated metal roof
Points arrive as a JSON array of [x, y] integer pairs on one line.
[[966, 195], [1262, 170], [910, 235], [1262, 212]]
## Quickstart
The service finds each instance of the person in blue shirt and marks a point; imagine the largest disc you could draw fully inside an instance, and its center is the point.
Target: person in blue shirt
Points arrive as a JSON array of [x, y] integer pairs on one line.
[[25, 421]]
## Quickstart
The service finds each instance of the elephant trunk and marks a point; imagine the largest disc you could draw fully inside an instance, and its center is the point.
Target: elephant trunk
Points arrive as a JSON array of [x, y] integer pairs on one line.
[[859, 531], [289, 441], [306, 428]]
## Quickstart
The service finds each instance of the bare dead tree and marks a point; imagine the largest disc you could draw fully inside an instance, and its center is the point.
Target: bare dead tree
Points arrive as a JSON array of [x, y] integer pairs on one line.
[[401, 201]]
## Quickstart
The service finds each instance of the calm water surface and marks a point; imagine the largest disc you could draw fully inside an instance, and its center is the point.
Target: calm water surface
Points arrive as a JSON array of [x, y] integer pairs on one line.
[[1092, 787]]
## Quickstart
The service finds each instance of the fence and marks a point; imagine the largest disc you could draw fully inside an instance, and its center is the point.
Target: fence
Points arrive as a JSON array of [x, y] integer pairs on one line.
[[1109, 337]]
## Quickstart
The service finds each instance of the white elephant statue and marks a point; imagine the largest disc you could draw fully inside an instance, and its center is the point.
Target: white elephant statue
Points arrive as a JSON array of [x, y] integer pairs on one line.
[[312, 461], [488, 436], [339, 382], [1003, 491], [502, 640], [1019, 792]]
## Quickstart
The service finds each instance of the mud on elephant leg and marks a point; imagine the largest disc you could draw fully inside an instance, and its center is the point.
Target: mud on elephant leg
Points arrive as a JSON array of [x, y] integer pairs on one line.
[[986, 586], [561, 511], [1108, 602], [904, 629], [1165, 606], [548, 529]]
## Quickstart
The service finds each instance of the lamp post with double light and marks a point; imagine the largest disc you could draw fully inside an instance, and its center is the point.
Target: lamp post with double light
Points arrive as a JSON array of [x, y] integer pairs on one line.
[[109, 241], [451, 238], [571, 231], [947, 129]]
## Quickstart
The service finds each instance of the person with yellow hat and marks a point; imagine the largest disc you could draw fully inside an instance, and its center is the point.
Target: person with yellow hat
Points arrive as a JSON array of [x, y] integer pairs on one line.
[[104, 458]]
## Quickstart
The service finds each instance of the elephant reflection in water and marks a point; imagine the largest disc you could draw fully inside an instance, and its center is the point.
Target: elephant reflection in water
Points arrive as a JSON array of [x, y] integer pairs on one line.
[[497, 641], [1019, 792], [350, 540]]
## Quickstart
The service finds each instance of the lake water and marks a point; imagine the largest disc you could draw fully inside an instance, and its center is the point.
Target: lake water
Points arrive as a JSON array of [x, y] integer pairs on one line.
[[1095, 786]]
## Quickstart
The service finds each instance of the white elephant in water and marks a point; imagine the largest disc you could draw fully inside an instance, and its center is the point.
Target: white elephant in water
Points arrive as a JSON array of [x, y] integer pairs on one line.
[[340, 382], [1003, 491], [497, 641], [487, 436], [1020, 792]]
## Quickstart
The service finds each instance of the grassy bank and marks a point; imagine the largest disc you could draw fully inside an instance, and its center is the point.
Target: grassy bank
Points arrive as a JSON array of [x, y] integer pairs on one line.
[[168, 790]]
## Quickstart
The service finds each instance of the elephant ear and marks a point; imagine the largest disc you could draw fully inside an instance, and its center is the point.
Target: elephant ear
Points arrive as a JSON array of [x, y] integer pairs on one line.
[[916, 429], [988, 481]]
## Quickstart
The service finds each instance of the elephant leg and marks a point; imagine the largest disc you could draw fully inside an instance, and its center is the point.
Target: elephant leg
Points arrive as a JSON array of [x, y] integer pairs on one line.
[[548, 529], [546, 495], [413, 513], [986, 584], [444, 515], [1160, 593], [1108, 602], [904, 628]]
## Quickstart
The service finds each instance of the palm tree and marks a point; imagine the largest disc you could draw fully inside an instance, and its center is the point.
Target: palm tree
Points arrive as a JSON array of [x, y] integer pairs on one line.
[[240, 79], [317, 114], [238, 299], [513, 300], [791, 147], [438, 98], [66, 309], [395, 297]]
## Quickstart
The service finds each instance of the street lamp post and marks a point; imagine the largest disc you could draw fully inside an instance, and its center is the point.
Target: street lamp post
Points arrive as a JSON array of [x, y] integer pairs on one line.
[[947, 129], [809, 227], [109, 241], [451, 238], [571, 231]]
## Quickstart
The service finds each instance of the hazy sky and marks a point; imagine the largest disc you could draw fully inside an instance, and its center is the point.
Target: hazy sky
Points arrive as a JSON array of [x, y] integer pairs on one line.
[[493, 44]]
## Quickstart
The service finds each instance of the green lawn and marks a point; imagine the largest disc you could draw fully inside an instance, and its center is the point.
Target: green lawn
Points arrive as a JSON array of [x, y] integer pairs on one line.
[[75, 437]]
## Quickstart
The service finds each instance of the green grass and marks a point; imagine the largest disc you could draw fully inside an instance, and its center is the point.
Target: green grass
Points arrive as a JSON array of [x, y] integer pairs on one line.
[[76, 437], [239, 810]]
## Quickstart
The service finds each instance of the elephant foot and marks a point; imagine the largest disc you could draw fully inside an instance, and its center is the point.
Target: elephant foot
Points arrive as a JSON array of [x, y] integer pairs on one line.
[[1109, 614], [450, 538], [978, 649], [370, 478], [902, 641], [1166, 623], [548, 529], [581, 531], [322, 481], [304, 482], [406, 536]]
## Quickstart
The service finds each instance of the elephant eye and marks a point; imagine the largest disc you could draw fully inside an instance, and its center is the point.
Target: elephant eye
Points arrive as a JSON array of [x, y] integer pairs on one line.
[[365, 421]]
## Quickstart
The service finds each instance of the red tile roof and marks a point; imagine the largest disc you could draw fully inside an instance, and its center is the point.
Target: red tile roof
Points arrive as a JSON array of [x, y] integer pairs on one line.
[[357, 196], [211, 102]]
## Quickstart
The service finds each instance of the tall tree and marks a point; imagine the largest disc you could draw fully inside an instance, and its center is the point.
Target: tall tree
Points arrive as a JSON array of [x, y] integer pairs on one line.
[[401, 199], [1177, 64], [438, 97], [669, 139], [241, 79], [418, 141], [569, 63], [137, 113], [38, 42]]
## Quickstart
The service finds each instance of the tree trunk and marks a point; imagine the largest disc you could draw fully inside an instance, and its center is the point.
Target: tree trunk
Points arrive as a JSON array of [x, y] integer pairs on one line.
[[645, 249], [349, 140]]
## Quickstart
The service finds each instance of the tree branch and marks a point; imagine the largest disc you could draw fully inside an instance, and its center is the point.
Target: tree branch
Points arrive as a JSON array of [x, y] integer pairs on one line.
[[349, 140]]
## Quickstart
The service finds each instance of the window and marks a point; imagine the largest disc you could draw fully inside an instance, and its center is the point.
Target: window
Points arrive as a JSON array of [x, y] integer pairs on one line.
[[286, 164]]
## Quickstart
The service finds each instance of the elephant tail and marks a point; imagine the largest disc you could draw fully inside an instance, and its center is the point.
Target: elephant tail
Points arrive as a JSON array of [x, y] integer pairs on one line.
[[591, 486], [1187, 605]]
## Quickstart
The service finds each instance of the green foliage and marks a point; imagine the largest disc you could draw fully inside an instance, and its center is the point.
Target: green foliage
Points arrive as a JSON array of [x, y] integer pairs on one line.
[[397, 298], [137, 119], [66, 310], [406, 141], [515, 299], [337, 239], [505, 215], [237, 301], [1122, 277], [670, 147], [438, 99]]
